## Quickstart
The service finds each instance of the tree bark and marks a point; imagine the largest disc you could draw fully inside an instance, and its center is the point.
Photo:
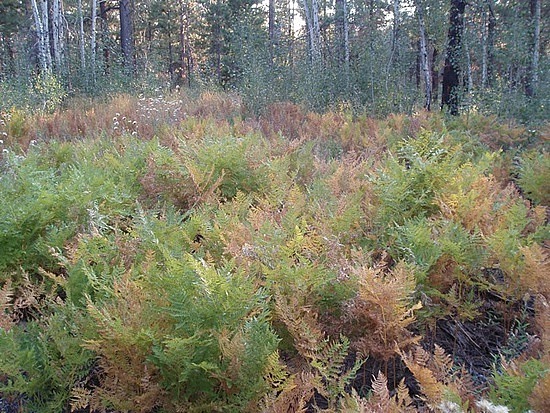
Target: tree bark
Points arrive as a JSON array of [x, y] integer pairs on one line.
[[271, 28], [424, 61], [185, 47], [487, 45], [532, 80], [435, 75], [81, 37], [450, 95], [44, 56], [104, 35], [342, 30], [58, 36], [93, 40], [127, 34], [313, 29]]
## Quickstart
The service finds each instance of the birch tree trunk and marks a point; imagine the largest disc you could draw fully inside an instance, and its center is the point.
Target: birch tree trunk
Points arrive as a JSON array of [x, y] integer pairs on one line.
[[46, 31], [424, 61], [81, 36], [313, 29], [58, 37], [395, 32], [342, 30], [41, 22], [533, 77], [93, 40], [271, 28]]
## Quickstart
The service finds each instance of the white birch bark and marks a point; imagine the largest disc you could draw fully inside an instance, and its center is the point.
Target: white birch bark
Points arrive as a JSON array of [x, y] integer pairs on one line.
[[424, 61], [40, 33], [93, 39], [46, 31], [40, 16], [313, 28], [57, 34], [81, 36], [536, 46]]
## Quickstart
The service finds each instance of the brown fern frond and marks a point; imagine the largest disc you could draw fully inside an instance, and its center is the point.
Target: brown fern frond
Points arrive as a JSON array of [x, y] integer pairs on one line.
[[294, 396], [6, 317], [442, 363], [80, 398], [381, 394], [301, 322], [416, 362], [539, 400], [536, 269], [402, 397], [542, 322], [383, 309]]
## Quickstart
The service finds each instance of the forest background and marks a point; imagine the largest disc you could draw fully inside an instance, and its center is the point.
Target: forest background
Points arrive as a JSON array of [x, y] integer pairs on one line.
[[375, 56]]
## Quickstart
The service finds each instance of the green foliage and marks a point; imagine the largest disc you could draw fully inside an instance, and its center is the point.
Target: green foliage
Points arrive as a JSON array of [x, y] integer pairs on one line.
[[513, 386], [534, 176], [45, 359]]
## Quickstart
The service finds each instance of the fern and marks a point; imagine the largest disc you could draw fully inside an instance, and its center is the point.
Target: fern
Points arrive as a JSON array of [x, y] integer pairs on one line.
[[438, 379], [383, 309], [6, 295]]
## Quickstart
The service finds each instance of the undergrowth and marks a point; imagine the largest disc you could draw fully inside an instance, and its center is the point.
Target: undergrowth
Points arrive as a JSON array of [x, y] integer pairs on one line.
[[171, 255]]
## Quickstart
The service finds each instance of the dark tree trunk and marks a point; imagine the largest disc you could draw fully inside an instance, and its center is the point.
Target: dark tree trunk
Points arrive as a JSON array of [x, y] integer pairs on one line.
[[435, 76], [127, 34], [185, 48], [271, 27], [491, 26], [450, 95], [104, 34]]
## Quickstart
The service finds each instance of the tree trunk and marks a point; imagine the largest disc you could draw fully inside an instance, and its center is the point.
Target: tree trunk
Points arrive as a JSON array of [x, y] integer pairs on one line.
[[435, 75], [127, 34], [342, 30], [424, 61], [44, 57], [532, 80], [185, 47], [450, 95], [81, 37], [271, 28], [93, 40], [58, 37], [487, 45], [395, 32], [313, 29], [104, 35]]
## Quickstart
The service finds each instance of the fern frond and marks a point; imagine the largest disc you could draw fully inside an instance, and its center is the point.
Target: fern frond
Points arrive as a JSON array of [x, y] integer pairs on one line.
[[383, 308], [416, 362], [6, 295], [381, 393], [80, 398], [294, 396], [442, 363], [536, 269], [402, 397]]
